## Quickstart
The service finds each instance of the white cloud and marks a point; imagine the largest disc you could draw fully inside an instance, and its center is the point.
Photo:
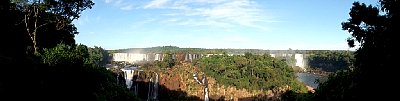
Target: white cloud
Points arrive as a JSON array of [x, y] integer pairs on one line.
[[108, 1], [229, 41], [200, 1], [214, 13], [128, 7], [237, 12], [226, 14], [121, 4], [156, 4]]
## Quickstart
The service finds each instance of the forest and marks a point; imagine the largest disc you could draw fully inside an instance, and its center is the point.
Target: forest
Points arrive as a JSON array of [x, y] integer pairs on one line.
[[330, 61]]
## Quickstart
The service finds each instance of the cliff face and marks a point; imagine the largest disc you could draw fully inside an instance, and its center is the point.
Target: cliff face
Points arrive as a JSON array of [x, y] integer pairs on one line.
[[178, 83]]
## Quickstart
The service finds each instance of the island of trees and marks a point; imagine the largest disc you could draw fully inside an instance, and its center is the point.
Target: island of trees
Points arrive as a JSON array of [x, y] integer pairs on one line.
[[252, 72]]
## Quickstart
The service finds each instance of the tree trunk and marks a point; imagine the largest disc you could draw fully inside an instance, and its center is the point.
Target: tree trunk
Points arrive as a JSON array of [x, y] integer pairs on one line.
[[34, 42], [34, 33]]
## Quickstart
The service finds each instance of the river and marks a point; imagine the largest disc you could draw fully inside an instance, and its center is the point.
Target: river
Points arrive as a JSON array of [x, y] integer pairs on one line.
[[309, 79]]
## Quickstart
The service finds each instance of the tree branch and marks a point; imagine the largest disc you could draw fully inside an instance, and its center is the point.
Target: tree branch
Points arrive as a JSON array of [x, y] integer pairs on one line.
[[27, 27]]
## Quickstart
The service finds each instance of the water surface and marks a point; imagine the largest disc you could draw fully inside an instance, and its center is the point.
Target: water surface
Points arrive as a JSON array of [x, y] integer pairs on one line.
[[310, 78]]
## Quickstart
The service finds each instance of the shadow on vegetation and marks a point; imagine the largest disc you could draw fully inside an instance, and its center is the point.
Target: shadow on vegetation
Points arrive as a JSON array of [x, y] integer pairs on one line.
[[24, 79], [287, 96], [256, 98], [164, 94], [330, 61]]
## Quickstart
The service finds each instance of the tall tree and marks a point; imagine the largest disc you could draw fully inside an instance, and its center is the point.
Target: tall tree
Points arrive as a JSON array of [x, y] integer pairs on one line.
[[59, 13], [374, 29], [374, 69]]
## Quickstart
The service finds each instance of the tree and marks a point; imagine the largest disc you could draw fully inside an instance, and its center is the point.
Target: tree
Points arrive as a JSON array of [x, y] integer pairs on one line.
[[168, 60], [376, 34], [374, 69], [39, 13], [98, 56], [62, 74], [59, 71], [65, 55]]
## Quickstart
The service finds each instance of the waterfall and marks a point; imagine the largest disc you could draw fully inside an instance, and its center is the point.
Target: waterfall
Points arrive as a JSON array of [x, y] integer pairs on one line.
[[153, 87], [203, 82], [157, 57], [135, 84], [206, 94], [150, 90], [186, 57], [190, 57], [155, 90]]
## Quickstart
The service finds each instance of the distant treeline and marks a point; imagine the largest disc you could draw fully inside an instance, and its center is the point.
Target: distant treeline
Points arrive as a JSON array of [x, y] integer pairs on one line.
[[325, 60], [175, 49], [330, 61]]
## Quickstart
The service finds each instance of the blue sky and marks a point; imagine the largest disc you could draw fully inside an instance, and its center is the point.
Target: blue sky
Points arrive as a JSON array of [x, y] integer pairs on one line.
[[239, 24]]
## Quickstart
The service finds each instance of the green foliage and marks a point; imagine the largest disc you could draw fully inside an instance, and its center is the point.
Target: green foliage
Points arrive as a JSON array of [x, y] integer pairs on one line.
[[65, 55], [168, 61], [47, 22], [339, 87], [253, 72], [331, 61], [98, 56]]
